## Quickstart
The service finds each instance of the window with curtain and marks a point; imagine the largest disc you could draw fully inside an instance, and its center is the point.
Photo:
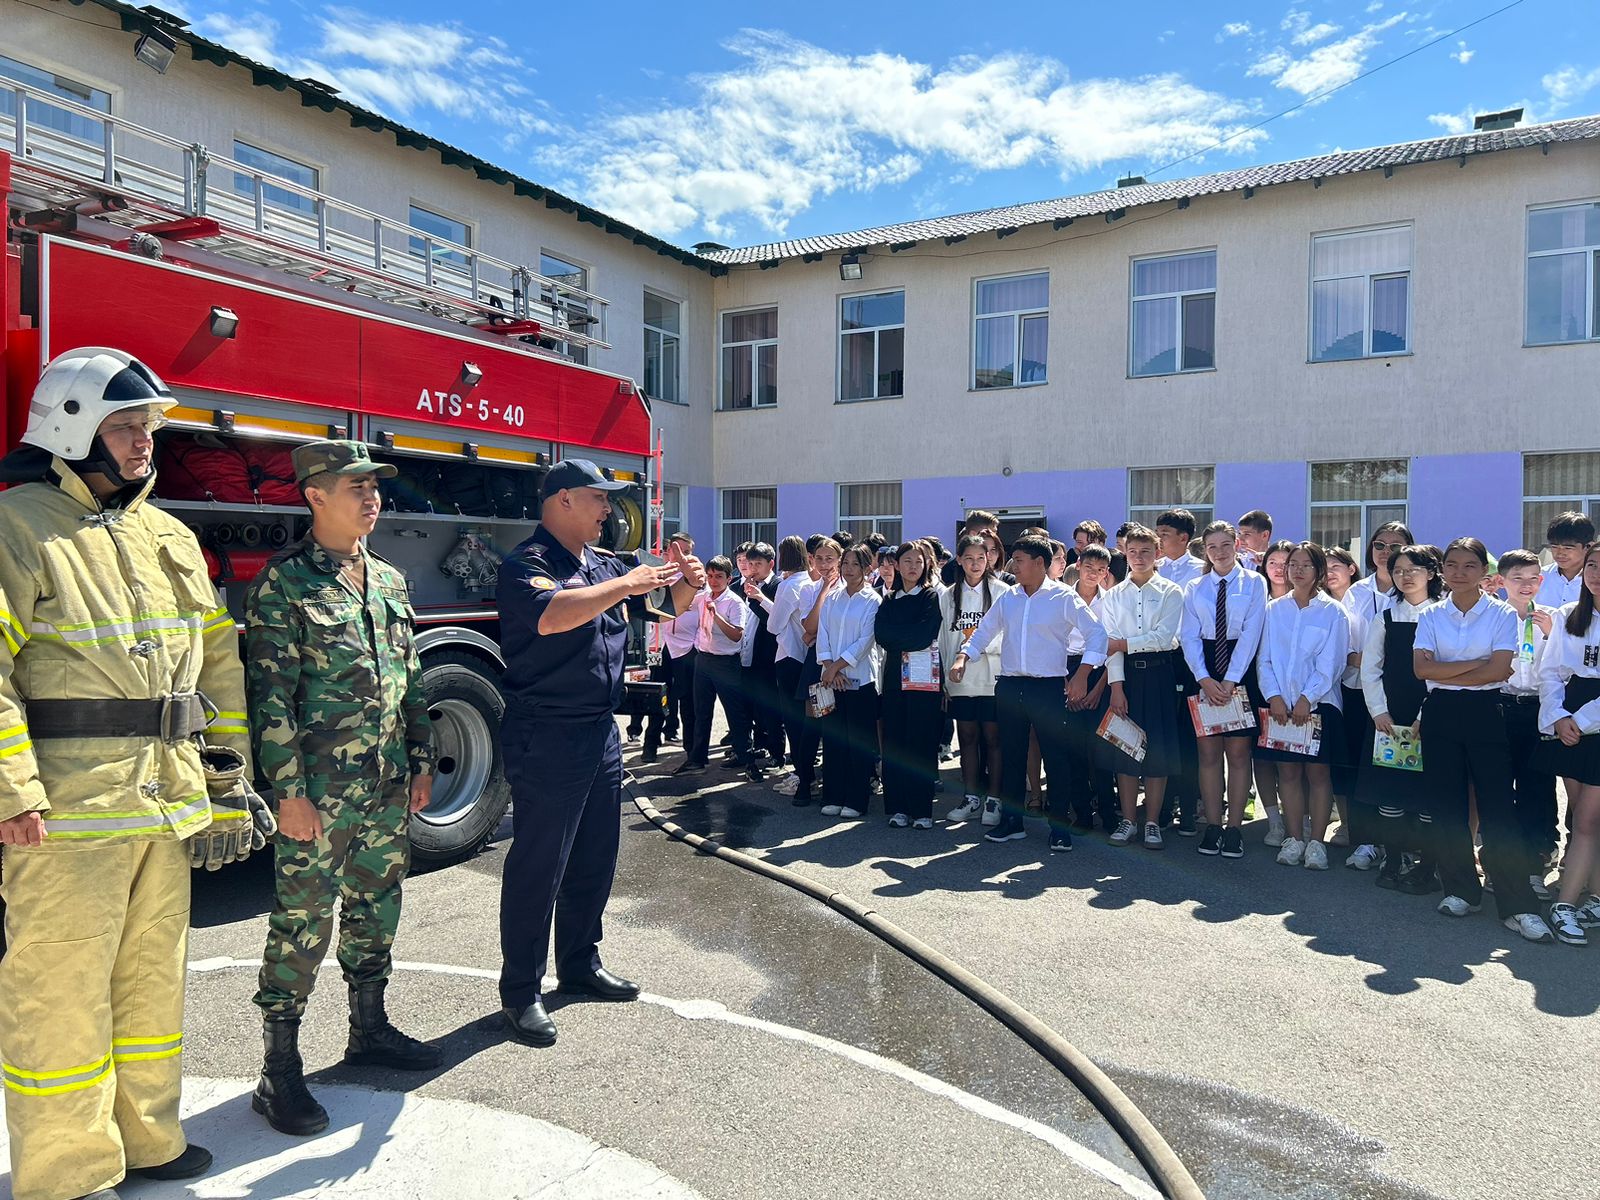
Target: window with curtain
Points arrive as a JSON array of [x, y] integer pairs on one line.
[[1011, 331], [42, 115], [870, 508], [749, 359], [1360, 294], [1563, 274], [1173, 324], [268, 163], [662, 331], [872, 346], [1153, 490], [749, 515], [1351, 499], [444, 229], [1557, 483]]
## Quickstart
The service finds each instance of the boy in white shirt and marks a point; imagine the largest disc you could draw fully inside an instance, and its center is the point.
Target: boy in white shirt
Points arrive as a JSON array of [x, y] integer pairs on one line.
[[1535, 788]]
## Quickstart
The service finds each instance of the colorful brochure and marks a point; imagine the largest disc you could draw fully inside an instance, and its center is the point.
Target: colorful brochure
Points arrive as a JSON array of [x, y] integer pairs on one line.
[[1285, 735], [1401, 749], [919, 670], [1123, 734], [1212, 719], [821, 702]]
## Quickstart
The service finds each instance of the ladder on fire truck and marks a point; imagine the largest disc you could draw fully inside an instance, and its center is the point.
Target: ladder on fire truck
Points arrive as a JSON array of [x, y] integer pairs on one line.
[[77, 169]]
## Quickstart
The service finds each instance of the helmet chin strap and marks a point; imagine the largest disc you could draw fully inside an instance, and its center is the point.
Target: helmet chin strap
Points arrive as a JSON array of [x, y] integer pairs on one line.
[[100, 460]]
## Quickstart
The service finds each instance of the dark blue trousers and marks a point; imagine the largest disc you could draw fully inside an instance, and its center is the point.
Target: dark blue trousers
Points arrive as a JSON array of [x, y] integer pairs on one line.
[[566, 789]]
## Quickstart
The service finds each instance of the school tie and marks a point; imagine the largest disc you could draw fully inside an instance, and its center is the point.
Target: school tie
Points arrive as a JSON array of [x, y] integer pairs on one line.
[[1224, 654]]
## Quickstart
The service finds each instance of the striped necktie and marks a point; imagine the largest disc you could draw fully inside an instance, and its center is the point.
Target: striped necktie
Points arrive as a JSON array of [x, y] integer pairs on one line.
[[1224, 651]]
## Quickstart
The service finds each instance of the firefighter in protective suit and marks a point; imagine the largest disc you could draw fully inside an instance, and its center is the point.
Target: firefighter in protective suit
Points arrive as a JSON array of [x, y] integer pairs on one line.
[[114, 657]]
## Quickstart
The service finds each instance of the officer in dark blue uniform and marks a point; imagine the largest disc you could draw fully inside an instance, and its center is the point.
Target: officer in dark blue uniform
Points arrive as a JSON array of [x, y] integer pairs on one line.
[[563, 629]]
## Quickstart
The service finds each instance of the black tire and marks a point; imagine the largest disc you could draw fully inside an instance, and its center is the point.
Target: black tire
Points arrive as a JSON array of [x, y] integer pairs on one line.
[[470, 790]]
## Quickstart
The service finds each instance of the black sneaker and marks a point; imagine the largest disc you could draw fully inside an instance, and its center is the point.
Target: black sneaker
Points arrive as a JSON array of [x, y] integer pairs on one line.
[[1232, 843], [690, 768], [1389, 873], [1420, 880], [801, 798], [1187, 827], [1060, 840], [1211, 843], [737, 764], [1007, 831]]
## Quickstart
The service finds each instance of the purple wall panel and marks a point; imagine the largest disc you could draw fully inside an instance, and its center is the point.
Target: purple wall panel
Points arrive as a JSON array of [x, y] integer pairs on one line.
[[1277, 487], [936, 505], [701, 503], [806, 508], [1454, 495]]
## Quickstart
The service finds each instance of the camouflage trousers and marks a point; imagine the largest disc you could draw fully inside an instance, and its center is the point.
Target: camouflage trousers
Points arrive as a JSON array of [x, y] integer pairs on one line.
[[360, 860]]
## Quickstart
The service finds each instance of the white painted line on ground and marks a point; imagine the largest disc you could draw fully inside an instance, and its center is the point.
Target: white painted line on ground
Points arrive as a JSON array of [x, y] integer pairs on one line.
[[712, 1010]]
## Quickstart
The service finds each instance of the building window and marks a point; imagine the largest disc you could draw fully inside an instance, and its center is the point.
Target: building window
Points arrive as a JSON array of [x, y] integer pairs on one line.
[[1010, 331], [441, 229], [870, 508], [749, 515], [1563, 274], [750, 359], [1351, 499], [671, 510], [1360, 294], [255, 159], [572, 310], [1173, 325], [43, 116], [872, 346], [662, 330], [1557, 483], [1153, 490]]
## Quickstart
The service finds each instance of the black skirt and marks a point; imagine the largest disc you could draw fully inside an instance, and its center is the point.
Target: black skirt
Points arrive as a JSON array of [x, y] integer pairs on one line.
[[972, 708], [1329, 751], [1209, 650], [1149, 682], [1357, 741], [1580, 762]]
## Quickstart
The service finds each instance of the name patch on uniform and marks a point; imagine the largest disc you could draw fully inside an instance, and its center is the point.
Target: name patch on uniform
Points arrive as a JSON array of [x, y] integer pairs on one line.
[[1591, 656], [541, 582]]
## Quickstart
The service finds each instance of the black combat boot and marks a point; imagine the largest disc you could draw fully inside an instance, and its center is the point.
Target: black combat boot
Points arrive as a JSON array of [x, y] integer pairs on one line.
[[281, 1096], [376, 1043]]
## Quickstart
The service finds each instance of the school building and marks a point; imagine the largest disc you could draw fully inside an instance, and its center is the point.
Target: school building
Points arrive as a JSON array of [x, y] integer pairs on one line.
[[1406, 331]]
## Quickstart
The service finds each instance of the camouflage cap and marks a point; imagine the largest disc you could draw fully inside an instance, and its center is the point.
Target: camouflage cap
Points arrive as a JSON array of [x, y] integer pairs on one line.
[[337, 458]]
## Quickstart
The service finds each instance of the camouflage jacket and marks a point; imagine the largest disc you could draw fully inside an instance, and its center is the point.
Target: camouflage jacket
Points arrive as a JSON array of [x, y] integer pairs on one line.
[[334, 681]]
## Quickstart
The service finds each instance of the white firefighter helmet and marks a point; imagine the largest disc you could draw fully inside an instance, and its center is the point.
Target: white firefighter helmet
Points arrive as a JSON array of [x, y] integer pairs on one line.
[[80, 389]]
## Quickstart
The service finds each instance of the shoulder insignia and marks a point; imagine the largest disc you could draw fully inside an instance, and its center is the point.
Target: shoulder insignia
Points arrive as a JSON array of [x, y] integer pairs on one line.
[[542, 582]]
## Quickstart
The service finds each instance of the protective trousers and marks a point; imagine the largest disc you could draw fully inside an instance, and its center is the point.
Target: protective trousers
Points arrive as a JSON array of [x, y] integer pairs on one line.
[[91, 1013], [361, 860]]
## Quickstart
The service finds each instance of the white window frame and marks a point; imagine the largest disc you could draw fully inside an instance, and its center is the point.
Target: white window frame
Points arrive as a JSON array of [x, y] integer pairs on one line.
[[417, 244], [1018, 317], [724, 521], [755, 357], [577, 354], [1366, 506], [1591, 257], [840, 333], [671, 524], [1135, 300], [665, 335], [1146, 514], [1588, 502], [875, 518], [77, 80], [1409, 275], [242, 187]]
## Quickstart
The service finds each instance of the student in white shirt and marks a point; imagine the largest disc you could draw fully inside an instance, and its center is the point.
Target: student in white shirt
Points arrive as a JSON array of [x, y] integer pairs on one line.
[[906, 625], [1033, 690], [1342, 573], [1569, 709], [1091, 783], [1273, 564], [1141, 615], [1254, 537], [720, 618], [1566, 538], [1371, 594], [677, 642], [849, 659], [806, 737], [783, 621], [1534, 784], [1464, 650], [970, 701], [1219, 659], [1175, 530], [1305, 647]]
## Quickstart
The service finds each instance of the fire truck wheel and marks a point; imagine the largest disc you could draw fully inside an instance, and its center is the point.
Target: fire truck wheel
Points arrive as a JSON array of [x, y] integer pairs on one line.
[[470, 792]]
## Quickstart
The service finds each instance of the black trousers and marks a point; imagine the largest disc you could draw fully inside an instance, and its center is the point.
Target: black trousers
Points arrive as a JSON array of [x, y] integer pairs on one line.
[[680, 695], [566, 789], [1024, 704], [850, 747], [1090, 787], [766, 715], [912, 722], [1536, 791], [1183, 785], [719, 677], [1465, 740], [804, 734]]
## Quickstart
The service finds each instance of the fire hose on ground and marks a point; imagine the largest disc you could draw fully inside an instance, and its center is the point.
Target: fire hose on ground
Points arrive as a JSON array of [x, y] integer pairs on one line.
[[1168, 1174]]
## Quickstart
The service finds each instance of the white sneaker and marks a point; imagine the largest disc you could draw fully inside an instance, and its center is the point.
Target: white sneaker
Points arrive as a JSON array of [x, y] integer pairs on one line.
[[1564, 920], [1293, 852], [788, 785], [970, 807], [1364, 858], [1124, 833], [1531, 926], [830, 810], [991, 811], [1275, 832], [850, 814], [1316, 856], [1152, 836], [922, 823], [1455, 906], [900, 820], [1589, 912]]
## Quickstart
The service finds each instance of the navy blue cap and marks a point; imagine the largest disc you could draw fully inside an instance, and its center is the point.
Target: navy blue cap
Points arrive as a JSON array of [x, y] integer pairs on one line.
[[578, 473]]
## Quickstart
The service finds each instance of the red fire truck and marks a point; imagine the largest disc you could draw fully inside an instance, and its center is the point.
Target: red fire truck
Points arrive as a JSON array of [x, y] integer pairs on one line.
[[279, 314]]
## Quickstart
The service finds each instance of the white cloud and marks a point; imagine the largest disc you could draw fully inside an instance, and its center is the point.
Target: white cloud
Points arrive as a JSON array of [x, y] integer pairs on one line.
[[254, 36], [1236, 29], [1569, 85], [1461, 54], [1375, 6], [1329, 65], [793, 122]]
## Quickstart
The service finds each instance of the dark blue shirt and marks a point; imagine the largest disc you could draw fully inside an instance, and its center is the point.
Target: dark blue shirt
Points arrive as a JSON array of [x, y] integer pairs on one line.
[[571, 676]]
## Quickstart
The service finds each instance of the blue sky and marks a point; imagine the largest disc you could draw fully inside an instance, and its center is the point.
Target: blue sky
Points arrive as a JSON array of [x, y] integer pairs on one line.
[[747, 123]]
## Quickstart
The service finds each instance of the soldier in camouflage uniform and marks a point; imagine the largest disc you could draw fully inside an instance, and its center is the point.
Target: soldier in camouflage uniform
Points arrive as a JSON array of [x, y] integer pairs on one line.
[[341, 733]]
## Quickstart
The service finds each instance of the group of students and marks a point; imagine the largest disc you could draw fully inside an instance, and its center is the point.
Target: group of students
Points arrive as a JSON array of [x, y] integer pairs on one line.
[[1161, 683]]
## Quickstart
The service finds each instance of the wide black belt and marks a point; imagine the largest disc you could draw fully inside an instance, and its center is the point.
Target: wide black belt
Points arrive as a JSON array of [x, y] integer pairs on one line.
[[171, 718]]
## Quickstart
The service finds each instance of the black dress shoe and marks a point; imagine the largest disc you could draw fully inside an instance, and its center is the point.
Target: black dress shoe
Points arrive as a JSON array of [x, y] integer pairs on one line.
[[531, 1026], [601, 984], [193, 1162]]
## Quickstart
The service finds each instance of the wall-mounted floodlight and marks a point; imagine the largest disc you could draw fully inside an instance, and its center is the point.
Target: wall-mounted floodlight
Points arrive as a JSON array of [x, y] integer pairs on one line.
[[224, 322]]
